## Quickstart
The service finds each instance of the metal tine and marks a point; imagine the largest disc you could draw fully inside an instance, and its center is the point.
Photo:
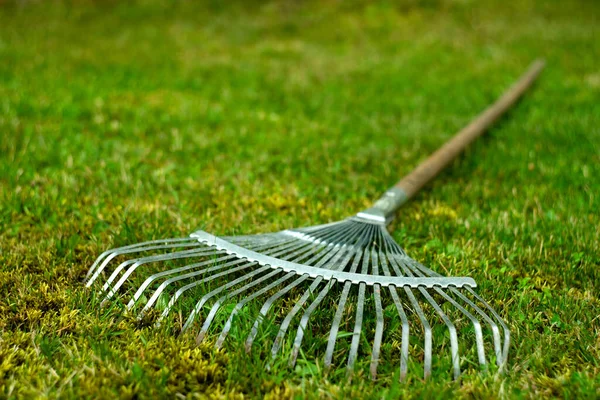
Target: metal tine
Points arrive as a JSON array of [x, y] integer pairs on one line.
[[306, 249], [491, 323], [267, 306], [304, 322], [292, 245], [306, 316], [243, 302], [319, 235], [451, 328], [342, 234], [502, 323], [405, 326], [378, 311], [216, 291], [219, 302], [317, 249], [335, 254], [301, 250], [428, 335], [135, 263], [295, 236], [134, 248], [359, 315], [321, 229], [167, 282], [359, 239], [340, 238], [271, 300], [500, 354], [194, 284], [153, 258], [354, 232], [288, 319], [315, 228], [257, 242], [291, 314], [179, 292], [178, 270], [280, 245], [251, 241], [329, 238], [163, 286], [344, 296], [427, 341], [476, 326], [336, 322], [286, 244], [350, 252], [474, 320], [424, 271], [189, 286]]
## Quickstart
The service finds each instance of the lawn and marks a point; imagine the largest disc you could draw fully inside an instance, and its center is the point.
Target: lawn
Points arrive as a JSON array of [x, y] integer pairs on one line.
[[122, 122]]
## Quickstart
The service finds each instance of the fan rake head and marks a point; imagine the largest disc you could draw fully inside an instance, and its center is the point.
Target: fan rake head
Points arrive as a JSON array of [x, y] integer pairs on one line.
[[353, 268]]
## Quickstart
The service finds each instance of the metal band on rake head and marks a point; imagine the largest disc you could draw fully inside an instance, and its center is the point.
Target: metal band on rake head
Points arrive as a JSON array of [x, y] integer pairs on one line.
[[352, 267]]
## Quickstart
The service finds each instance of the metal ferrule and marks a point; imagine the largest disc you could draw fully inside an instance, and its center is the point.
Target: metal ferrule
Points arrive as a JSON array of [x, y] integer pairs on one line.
[[384, 209]]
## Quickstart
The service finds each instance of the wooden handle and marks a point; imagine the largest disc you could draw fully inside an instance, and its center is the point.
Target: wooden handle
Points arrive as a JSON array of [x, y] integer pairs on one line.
[[429, 168]]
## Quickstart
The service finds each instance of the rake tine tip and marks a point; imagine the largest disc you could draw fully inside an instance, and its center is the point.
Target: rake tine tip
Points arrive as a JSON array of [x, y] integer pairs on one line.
[[200, 338]]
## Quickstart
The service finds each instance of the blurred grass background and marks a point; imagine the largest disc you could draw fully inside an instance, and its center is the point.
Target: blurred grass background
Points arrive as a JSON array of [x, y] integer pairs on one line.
[[124, 122]]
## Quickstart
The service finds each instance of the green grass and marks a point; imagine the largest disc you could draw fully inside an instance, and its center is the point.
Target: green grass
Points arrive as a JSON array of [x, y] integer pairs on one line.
[[122, 123]]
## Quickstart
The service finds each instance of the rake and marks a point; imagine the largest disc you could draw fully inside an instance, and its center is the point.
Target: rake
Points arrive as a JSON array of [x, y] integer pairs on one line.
[[348, 267]]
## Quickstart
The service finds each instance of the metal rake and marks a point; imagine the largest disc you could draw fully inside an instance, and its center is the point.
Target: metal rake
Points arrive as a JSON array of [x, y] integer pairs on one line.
[[292, 273]]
